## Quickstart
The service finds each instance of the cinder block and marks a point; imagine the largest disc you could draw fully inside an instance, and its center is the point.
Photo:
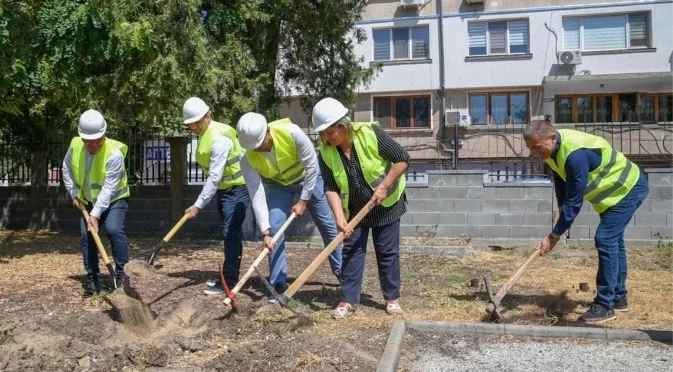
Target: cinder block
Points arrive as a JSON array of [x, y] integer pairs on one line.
[[661, 193], [650, 219], [638, 232], [538, 192], [669, 219], [420, 205], [545, 206], [662, 232], [467, 205], [587, 219], [646, 207], [660, 179], [526, 206], [495, 232], [580, 232], [506, 219], [659, 206], [425, 218], [417, 193], [537, 219], [512, 192], [441, 180], [407, 219], [454, 218], [524, 232], [474, 231], [480, 218], [481, 193], [469, 179], [453, 192], [495, 205]]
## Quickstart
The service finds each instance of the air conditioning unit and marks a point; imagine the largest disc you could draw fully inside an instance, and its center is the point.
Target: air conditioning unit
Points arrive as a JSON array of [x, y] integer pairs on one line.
[[474, 1], [460, 118], [570, 57], [414, 3]]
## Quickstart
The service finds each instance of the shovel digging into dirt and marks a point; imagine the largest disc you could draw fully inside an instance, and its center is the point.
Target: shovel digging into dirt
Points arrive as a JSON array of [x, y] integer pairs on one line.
[[284, 299], [142, 268], [231, 295], [494, 300], [131, 308]]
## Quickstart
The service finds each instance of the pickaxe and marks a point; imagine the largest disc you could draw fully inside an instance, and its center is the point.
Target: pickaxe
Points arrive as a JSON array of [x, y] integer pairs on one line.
[[231, 295], [284, 299], [100, 246], [494, 300]]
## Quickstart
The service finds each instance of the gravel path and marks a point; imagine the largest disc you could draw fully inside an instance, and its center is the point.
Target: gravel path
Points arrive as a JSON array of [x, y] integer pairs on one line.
[[440, 352]]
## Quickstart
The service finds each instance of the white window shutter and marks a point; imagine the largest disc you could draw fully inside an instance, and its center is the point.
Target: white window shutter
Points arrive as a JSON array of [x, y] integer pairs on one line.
[[477, 38], [604, 33], [400, 43], [420, 42], [497, 35], [638, 30], [571, 34], [381, 44], [518, 36]]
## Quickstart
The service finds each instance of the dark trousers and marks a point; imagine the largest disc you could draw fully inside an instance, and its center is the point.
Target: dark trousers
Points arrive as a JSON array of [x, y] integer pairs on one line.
[[609, 239], [387, 247], [232, 204], [113, 221]]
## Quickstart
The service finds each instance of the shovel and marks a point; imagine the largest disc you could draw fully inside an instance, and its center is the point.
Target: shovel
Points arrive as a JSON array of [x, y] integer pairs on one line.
[[169, 236], [99, 244], [231, 296], [494, 299]]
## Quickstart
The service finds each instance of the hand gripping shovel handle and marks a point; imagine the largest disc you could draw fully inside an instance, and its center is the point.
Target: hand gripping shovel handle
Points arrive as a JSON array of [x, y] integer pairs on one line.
[[324, 254], [259, 259], [166, 238], [99, 244]]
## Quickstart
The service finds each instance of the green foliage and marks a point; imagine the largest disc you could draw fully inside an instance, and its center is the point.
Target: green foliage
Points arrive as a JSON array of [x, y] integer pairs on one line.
[[137, 61]]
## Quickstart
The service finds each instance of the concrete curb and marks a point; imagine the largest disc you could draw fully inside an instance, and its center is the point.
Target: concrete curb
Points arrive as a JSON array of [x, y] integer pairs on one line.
[[544, 331], [391, 353]]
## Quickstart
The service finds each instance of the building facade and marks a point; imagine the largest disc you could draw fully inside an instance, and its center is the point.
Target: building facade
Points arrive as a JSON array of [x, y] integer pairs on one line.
[[471, 73]]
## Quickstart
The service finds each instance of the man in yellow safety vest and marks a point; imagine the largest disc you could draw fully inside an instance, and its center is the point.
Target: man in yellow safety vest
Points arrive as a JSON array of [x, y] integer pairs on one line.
[[587, 167], [94, 175], [219, 154]]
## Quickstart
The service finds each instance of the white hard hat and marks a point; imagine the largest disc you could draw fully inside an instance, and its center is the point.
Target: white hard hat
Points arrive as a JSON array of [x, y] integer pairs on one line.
[[92, 125], [251, 130], [327, 112], [193, 110]]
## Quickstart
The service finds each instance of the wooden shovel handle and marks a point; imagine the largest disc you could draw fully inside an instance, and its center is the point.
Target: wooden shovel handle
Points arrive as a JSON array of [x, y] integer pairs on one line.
[[326, 252], [514, 278], [96, 238], [259, 258], [177, 227]]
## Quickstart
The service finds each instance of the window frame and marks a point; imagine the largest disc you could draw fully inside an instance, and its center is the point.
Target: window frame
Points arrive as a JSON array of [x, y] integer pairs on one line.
[[616, 113], [409, 43], [393, 108], [489, 116], [627, 28], [507, 37]]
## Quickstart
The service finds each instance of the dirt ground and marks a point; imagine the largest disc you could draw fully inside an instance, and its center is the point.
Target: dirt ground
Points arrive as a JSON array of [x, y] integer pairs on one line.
[[46, 325]]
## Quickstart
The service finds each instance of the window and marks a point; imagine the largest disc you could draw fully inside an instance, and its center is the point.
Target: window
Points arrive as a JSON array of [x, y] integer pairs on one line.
[[611, 32], [503, 37], [401, 43], [499, 108], [402, 112], [622, 107]]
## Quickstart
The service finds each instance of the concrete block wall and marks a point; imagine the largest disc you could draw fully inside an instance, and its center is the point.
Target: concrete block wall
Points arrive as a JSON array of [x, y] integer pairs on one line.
[[452, 203]]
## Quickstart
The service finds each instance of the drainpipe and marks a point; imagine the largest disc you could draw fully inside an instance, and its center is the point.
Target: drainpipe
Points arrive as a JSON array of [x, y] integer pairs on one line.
[[442, 84]]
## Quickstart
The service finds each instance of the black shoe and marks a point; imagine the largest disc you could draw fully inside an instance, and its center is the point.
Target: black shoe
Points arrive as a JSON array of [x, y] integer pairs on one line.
[[622, 306], [598, 314], [92, 287], [123, 281]]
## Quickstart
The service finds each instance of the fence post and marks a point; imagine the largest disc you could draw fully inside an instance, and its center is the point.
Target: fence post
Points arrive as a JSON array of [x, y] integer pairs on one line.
[[38, 170], [178, 176]]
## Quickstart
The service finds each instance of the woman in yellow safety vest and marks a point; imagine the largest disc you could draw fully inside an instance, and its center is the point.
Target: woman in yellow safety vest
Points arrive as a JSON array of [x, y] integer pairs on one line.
[[360, 164], [94, 175]]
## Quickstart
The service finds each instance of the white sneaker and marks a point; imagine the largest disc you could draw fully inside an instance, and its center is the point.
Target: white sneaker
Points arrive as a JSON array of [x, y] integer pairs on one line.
[[212, 282], [215, 290]]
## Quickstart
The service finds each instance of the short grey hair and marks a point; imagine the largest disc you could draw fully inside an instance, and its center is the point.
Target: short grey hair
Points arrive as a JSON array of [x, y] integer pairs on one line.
[[541, 128]]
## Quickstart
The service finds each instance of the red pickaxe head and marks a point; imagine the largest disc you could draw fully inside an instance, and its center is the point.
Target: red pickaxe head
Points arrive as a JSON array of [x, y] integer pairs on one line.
[[231, 295]]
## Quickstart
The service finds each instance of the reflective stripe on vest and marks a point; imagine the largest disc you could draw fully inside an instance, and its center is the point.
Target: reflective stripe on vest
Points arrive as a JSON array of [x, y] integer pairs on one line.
[[97, 170], [232, 174], [609, 182], [374, 167], [288, 169]]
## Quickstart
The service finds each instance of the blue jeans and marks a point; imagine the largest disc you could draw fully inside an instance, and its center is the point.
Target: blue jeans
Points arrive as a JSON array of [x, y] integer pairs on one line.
[[609, 239], [387, 246], [232, 204], [112, 219], [279, 199]]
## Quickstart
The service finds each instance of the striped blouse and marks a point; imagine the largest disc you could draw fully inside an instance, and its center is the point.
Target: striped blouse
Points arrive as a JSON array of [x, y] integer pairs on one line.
[[360, 192]]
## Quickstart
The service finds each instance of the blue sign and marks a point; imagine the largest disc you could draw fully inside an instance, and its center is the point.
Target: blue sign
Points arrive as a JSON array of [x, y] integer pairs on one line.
[[158, 153], [463, 117]]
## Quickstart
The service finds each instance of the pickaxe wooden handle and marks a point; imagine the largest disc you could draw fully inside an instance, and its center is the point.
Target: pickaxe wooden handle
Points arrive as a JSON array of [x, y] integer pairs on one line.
[[291, 290], [99, 245], [259, 259], [492, 305], [169, 236]]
